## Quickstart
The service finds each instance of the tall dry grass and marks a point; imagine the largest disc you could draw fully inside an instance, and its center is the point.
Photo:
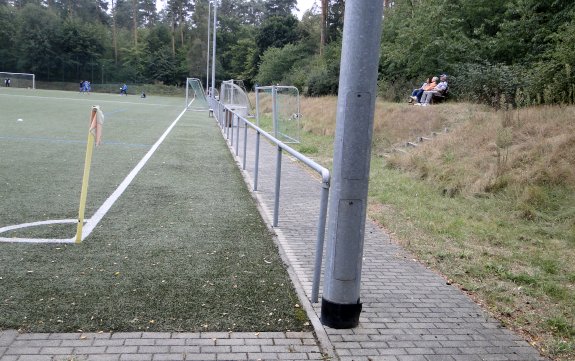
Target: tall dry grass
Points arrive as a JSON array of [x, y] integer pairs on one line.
[[394, 124], [493, 150], [489, 203], [473, 148]]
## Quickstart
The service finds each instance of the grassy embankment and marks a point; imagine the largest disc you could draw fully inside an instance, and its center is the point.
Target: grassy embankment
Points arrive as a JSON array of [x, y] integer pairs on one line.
[[489, 203]]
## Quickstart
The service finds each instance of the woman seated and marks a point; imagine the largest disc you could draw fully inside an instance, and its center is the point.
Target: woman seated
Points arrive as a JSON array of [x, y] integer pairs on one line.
[[417, 93]]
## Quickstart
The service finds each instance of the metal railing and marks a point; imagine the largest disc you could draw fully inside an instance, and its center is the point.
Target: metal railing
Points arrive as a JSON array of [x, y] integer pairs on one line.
[[231, 122]]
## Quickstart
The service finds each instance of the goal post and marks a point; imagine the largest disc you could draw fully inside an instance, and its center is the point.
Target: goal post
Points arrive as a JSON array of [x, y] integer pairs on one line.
[[195, 96], [17, 80], [281, 104]]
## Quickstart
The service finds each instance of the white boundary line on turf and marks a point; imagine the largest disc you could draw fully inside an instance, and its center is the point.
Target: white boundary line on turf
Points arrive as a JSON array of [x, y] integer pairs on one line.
[[104, 208], [87, 100]]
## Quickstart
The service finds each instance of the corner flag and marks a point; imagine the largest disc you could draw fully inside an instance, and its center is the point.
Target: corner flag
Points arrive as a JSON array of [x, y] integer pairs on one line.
[[97, 124], [94, 136]]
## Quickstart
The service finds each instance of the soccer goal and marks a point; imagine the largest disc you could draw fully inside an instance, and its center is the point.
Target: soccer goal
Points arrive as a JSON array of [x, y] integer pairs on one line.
[[281, 106], [195, 96], [233, 97], [18, 80]]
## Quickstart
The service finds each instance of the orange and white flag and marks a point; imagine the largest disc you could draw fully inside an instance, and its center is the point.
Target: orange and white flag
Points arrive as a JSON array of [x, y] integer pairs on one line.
[[97, 123]]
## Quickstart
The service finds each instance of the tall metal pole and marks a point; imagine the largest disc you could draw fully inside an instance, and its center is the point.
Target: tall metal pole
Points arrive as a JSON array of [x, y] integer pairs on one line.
[[341, 304], [213, 92], [208, 52]]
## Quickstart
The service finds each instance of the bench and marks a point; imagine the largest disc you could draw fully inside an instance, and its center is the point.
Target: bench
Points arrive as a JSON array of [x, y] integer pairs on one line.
[[440, 96]]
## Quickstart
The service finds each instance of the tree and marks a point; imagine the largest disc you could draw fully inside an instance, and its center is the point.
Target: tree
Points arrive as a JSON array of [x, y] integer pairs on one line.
[[276, 32], [178, 11], [8, 34], [279, 7], [80, 44], [37, 36], [277, 63]]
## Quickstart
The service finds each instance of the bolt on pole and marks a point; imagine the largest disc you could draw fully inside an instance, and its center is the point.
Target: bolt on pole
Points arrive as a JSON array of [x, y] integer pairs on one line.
[[341, 304]]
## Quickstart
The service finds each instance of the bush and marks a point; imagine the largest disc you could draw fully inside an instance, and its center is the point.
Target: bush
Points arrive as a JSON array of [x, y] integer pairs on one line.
[[495, 85], [277, 63], [324, 75], [397, 90], [321, 82]]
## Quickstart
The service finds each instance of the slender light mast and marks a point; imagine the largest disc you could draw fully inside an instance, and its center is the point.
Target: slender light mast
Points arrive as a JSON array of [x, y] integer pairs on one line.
[[208, 52], [213, 92]]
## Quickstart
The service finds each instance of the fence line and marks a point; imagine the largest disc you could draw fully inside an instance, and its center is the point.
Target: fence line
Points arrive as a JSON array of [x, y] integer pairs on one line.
[[229, 120]]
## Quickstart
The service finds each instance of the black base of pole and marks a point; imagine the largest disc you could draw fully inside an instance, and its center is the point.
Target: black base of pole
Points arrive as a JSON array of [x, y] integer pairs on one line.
[[337, 315]]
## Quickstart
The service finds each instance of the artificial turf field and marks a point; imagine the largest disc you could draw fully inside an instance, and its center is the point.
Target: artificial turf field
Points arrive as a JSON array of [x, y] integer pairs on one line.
[[182, 249]]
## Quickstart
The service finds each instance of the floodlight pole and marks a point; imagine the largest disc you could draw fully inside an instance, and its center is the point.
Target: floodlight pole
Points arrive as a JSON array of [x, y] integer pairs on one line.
[[213, 92], [341, 304], [208, 52]]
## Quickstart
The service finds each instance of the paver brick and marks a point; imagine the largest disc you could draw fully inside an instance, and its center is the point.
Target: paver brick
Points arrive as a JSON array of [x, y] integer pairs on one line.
[[215, 349], [22, 350], [184, 349], [135, 342], [200, 357], [168, 357], [84, 342], [246, 349], [103, 357], [124, 335], [136, 357], [154, 349], [36, 343], [170, 342], [56, 350], [34, 358], [122, 349], [90, 350], [7, 337]]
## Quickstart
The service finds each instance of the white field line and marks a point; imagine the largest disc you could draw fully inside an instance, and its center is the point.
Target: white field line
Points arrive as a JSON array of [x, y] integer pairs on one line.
[[37, 240], [104, 208], [87, 100]]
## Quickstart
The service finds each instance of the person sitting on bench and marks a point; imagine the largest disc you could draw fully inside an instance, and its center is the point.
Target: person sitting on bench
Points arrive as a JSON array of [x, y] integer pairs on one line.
[[417, 93], [439, 89]]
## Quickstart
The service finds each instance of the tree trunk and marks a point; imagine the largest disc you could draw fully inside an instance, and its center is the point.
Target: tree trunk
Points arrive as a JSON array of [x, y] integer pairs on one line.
[[114, 33], [135, 21], [323, 27], [173, 36]]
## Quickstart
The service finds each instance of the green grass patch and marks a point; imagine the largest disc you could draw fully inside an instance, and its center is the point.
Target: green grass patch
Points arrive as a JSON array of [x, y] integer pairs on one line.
[[183, 249]]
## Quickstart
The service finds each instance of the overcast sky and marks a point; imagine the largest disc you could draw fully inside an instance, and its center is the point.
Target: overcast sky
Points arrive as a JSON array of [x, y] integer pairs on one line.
[[303, 6]]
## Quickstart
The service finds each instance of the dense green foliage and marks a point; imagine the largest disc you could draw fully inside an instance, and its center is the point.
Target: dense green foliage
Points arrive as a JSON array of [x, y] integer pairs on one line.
[[131, 41], [499, 52]]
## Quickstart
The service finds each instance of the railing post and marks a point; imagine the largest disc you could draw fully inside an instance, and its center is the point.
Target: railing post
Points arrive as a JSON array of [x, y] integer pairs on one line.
[[245, 144], [320, 240], [220, 117], [257, 161], [228, 128], [277, 189], [257, 107], [275, 110], [236, 117]]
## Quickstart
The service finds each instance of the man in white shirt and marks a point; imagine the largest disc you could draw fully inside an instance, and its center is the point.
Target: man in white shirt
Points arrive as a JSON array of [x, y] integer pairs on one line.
[[427, 95]]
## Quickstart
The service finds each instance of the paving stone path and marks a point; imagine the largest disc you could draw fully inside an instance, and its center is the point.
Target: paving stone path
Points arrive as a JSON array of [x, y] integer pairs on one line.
[[409, 312]]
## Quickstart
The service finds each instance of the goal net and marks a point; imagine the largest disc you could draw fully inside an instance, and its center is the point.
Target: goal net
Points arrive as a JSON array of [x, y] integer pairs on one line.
[[195, 96], [235, 98], [17, 80], [279, 108]]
